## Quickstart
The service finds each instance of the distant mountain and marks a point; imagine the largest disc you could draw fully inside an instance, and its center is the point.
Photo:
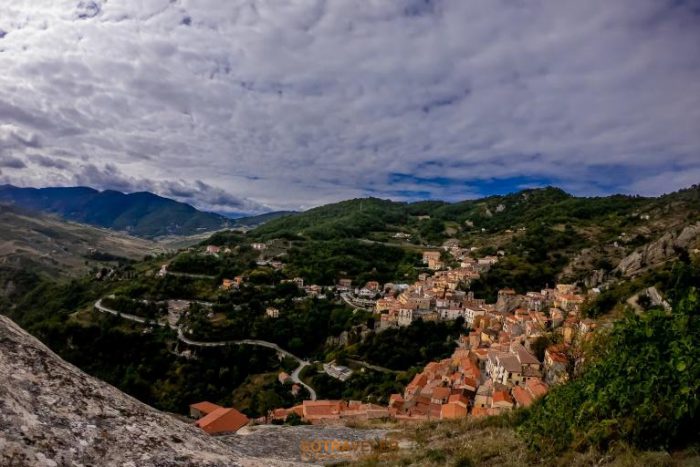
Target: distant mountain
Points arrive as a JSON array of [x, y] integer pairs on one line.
[[142, 214]]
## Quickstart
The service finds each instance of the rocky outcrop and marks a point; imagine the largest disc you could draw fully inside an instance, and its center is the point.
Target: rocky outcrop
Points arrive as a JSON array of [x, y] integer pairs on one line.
[[357, 334], [659, 251], [53, 414]]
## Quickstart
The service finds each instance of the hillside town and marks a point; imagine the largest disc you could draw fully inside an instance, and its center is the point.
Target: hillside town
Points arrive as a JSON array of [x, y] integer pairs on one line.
[[495, 366]]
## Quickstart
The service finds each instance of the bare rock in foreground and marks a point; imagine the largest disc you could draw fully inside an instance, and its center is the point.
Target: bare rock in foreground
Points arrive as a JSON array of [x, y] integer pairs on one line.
[[53, 414]]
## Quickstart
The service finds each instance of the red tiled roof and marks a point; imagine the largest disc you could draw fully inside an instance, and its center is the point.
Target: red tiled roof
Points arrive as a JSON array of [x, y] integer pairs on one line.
[[321, 408], [453, 410], [501, 396], [458, 399], [222, 420], [205, 407], [418, 381], [441, 393], [522, 397], [471, 382], [536, 387]]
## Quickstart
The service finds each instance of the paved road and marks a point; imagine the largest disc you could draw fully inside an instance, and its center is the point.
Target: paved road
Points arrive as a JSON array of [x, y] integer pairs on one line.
[[181, 336], [138, 319]]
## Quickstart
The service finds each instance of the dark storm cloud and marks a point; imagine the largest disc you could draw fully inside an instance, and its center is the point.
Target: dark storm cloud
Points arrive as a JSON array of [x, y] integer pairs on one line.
[[299, 102], [10, 162], [50, 162]]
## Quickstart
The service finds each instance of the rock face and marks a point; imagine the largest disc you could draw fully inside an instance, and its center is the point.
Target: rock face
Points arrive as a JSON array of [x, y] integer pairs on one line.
[[357, 334], [53, 414], [659, 251]]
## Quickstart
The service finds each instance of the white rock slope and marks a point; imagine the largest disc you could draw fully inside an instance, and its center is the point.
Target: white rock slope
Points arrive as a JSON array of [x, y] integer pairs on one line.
[[53, 414]]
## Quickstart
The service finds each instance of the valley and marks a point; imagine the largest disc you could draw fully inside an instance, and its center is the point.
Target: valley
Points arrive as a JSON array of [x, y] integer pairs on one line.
[[359, 313]]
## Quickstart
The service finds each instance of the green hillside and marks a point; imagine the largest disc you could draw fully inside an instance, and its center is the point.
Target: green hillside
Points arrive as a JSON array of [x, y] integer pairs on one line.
[[430, 221]]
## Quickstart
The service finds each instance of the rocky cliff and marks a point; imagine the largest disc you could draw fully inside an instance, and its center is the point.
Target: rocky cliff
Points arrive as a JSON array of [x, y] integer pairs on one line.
[[659, 251], [53, 414]]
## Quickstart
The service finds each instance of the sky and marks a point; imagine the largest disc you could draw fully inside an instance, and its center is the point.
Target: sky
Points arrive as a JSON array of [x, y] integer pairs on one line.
[[258, 105]]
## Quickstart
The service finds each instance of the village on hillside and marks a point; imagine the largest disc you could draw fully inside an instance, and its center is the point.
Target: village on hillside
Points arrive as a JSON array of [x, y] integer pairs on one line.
[[505, 360]]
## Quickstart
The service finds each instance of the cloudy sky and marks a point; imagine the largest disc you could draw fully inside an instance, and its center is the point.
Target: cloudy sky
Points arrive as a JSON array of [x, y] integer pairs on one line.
[[251, 105]]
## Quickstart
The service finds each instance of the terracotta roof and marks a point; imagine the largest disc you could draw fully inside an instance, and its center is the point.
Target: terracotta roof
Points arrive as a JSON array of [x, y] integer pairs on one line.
[[205, 407], [222, 420], [471, 382], [536, 387], [501, 396], [441, 393], [321, 408], [280, 413], [453, 410], [458, 399], [522, 397], [418, 380]]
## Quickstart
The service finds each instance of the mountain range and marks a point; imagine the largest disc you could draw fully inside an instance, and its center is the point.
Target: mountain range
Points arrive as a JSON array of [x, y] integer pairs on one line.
[[142, 214]]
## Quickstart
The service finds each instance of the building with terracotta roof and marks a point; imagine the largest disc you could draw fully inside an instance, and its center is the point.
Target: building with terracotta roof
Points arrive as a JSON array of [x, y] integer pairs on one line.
[[522, 397], [458, 399], [440, 395], [201, 409], [222, 420], [502, 400], [536, 387], [321, 409], [452, 410]]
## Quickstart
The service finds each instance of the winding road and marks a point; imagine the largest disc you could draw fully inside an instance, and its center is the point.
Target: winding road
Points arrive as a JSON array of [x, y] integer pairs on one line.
[[181, 336]]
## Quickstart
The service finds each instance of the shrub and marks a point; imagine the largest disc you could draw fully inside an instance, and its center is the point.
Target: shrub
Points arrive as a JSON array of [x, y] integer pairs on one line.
[[640, 386]]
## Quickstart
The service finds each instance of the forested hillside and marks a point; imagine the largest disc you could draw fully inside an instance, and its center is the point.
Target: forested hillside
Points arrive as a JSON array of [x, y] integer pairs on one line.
[[141, 214]]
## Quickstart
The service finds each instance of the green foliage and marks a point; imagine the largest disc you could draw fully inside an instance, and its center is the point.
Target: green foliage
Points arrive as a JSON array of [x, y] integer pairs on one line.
[[533, 260], [195, 263], [640, 385], [347, 219], [325, 262], [294, 420], [150, 310], [261, 393], [414, 345], [121, 354], [302, 326], [224, 265], [368, 386], [224, 238]]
